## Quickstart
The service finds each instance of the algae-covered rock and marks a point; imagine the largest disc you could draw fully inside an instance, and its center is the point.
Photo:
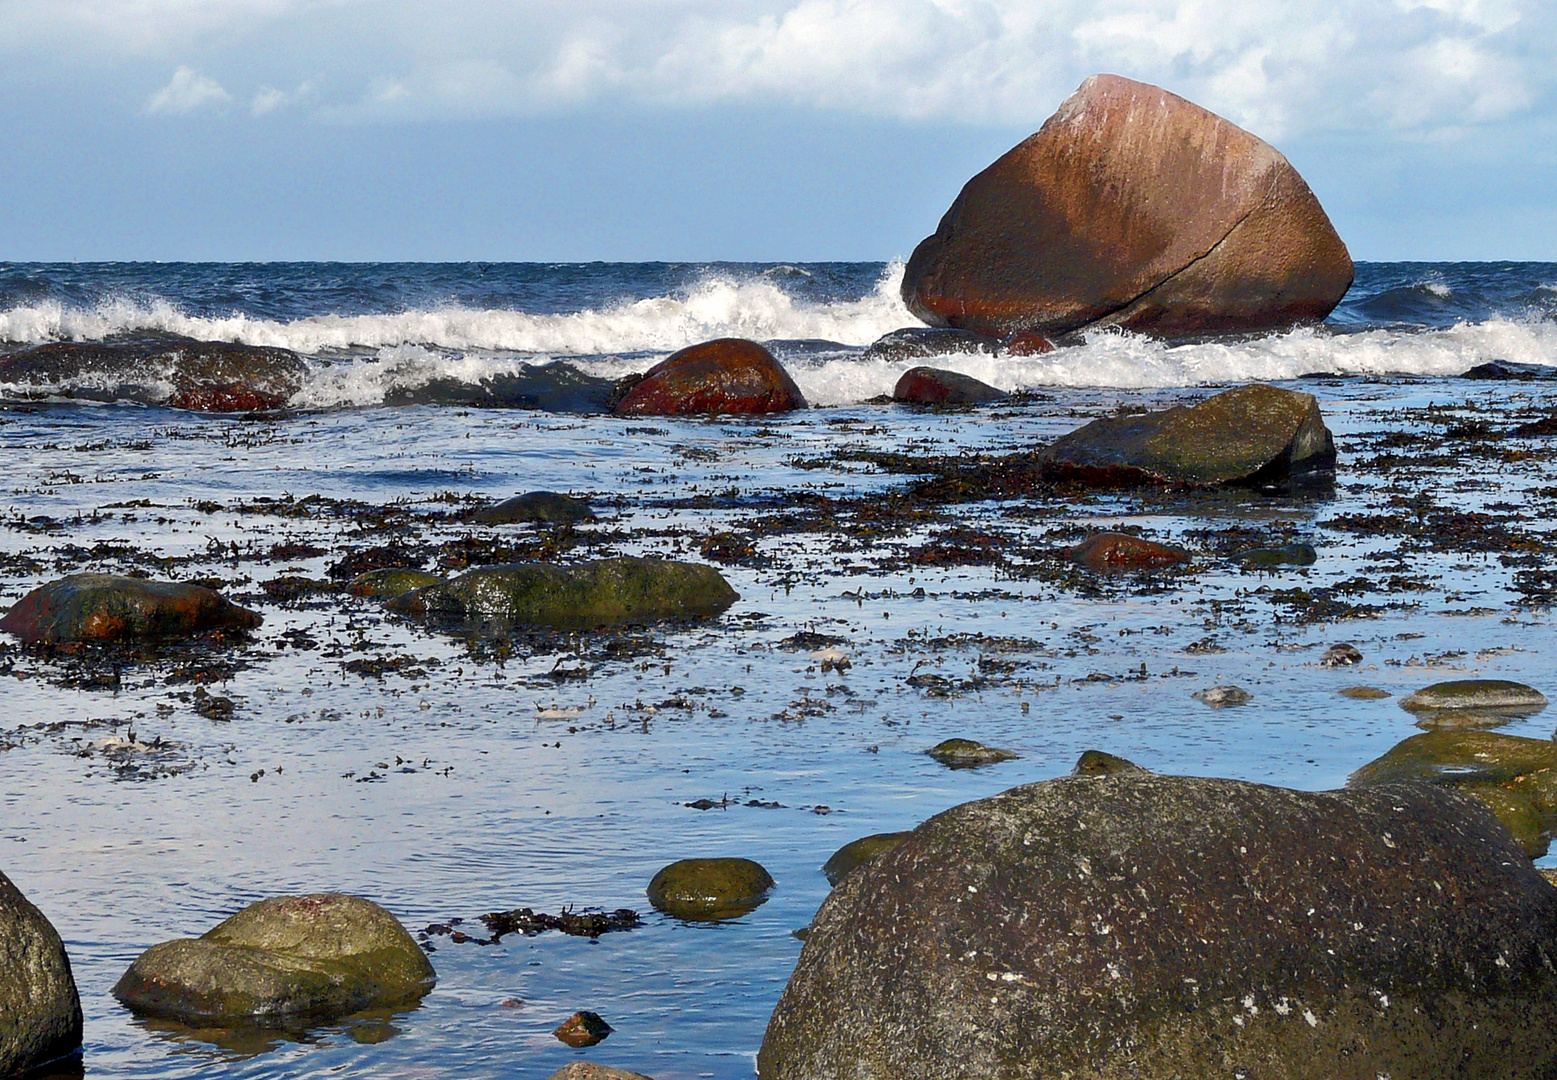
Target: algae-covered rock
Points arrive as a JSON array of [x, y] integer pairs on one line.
[[583, 1028], [389, 582], [40, 1011], [548, 507], [1169, 928], [1364, 693], [1271, 557], [710, 889], [857, 853], [1100, 763], [1254, 434], [1484, 695], [968, 754], [319, 956], [589, 1070], [107, 607], [1516, 777], [583, 595]]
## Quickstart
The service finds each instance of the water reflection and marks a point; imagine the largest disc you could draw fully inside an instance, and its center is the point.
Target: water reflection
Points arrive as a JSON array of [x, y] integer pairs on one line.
[[243, 1042]]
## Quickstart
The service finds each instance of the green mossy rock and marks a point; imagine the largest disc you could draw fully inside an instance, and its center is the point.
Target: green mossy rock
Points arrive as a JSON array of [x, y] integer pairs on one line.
[[857, 853], [1098, 763], [107, 607], [548, 507], [1479, 695], [967, 754], [1516, 777], [589, 594], [707, 890], [40, 1011], [390, 582], [1268, 558], [316, 957]]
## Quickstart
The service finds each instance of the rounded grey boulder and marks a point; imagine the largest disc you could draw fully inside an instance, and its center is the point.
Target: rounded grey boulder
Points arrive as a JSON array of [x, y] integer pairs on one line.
[[1157, 927], [40, 1011]]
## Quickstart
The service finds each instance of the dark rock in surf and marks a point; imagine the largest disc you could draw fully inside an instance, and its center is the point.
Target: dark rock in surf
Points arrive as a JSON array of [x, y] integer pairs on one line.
[[729, 375], [555, 388], [922, 342], [857, 853], [1254, 435], [1508, 371], [548, 507], [710, 890], [1106, 552], [600, 593], [106, 607], [206, 376], [316, 957], [1131, 207], [40, 1011], [1028, 343], [1158, 927], [933, 386]]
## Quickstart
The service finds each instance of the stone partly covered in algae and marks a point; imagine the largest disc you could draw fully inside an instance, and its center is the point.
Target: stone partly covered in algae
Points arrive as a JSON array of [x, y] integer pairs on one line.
[[283, 959], [1271, 557], [584, 595], [583, 1028], [1110, 551], [1100, 763], [1158, 927], [1472, 703], [1516, 777], [968, 754], [40, 1011], [707, 890], [547, 507], [936, 386], [1220, 697], [389, 582], [106, 607], [1254, 434], [1364, 693], [857, 853]]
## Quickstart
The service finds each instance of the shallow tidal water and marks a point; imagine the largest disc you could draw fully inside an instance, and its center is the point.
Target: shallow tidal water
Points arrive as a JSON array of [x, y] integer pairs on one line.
[[437, 791]]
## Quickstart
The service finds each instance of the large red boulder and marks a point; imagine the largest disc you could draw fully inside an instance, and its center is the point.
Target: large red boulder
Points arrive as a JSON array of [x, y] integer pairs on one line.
[[1131, 207], [935, 386], [106, 607], [728, 375]]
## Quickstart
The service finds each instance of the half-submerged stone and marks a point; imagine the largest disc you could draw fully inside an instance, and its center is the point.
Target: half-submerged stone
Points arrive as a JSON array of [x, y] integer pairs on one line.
[[1515, 777], [922, 342], [1105, 552], [285, 959], [935, 386], [968, 754], [729, 375], [710, 890], [1255, 434], [1472, 703], [857, 853], [106, 607], [547, 507], [40, 1011], [1158, 927], [1102, 763], [1131, 207], [600, 593]]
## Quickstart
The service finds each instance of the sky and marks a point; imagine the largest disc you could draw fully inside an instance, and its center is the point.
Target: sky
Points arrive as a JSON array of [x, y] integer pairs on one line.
[[573, 130]]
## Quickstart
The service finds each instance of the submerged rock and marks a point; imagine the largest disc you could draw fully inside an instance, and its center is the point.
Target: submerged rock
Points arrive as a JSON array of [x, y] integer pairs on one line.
[[1255, 434], [40, 1011], [588, 594], [934, 386], [1516, 777], [589, 1070], [389, 582], [857, 853], [1131, 207], [315, 957], [1100, 763], [1220, 697], [708, 890], [1287, 555], [729, 375], [583, 1028], [922, 342], [1159, 927], [1364, 693], [106, 607], [207, 376], [543, 506], [967, 754], [1108, 551]]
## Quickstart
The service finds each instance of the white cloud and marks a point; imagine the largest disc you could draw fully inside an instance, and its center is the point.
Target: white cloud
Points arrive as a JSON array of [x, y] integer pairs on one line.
[[187, 91], [267, 99]]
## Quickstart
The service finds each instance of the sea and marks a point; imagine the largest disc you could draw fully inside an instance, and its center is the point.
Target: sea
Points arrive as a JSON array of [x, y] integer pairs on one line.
[[449, 775]]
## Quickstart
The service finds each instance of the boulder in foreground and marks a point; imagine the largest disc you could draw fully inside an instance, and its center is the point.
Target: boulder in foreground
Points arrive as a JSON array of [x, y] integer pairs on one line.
[[106, 607], [584, 595], [935, 386], [1158, 927], [290, 957], [1131, 207], [728, 375], [40, 1011], [1255, 434]]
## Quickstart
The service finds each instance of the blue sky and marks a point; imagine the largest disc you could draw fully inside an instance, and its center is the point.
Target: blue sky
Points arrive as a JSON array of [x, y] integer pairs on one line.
[[736, 129]]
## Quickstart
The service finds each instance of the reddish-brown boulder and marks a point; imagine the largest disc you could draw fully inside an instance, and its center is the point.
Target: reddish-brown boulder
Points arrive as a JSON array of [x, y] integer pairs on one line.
[[1131, 207], [935, 386], [1120, 551], [1028, 343], [105, 607], [729, 375]]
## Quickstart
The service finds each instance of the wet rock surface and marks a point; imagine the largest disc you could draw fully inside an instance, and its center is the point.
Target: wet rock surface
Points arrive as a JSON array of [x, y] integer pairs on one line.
[[710, 890], [589, 1070], [1110, 551], [923, 342], [1102, 763], [968, 754], [1254, 434], [583, 1028], [857, 853], [1220, 697], [106, 607], [605, 592], [1131, 207], [730, 376], [390, 582], [1218, 924], [1490, 695], [290, 957], [548, 507], [1342, 655], [1286, 555], [40, 1011], [934, 386]]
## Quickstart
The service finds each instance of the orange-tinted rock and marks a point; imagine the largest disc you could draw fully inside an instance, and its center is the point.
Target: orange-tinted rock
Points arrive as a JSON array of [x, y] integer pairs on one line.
[[583, 1028], [1136, 208], [1120, 551], [1028, 343], [105, 607], [729, 375], [934, 386]]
